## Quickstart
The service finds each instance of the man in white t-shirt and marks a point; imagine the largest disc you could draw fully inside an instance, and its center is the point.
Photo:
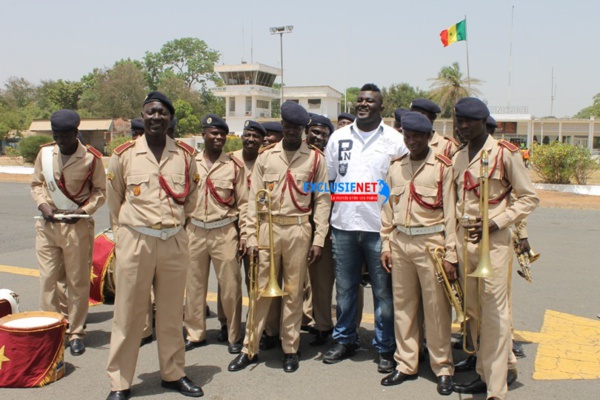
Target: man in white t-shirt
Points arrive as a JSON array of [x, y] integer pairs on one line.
[[358, 157]]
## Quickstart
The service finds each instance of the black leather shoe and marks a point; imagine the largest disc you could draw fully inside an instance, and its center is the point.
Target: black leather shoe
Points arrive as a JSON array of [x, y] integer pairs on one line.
[[518, 350], [475, 387], [189, 345], [146, 340], [320, 338], [445, 385], [77, 347], [468, 364], [235, 348], [268, 342], [339, 352], [184, 386], [119, 394], [222, 334], [397, 377], [290, 362], [241, 362], [386, 363], [511, 376]]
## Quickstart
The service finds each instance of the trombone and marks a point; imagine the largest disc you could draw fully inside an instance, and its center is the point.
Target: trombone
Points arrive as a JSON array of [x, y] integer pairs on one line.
[[262, 198], [484, 266]]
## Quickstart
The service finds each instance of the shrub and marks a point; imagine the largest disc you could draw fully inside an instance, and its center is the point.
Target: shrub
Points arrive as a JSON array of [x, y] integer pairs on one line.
[[29, 147], [11, 152], [116, 142], [233, 143], [560, 162]]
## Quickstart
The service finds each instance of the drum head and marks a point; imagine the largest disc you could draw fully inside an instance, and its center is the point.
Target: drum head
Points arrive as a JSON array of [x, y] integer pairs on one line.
[[33, 319]]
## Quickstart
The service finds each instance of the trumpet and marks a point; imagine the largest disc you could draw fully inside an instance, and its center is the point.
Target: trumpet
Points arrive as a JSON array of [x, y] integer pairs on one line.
[[262, 198], [453, 290], [525, 258]]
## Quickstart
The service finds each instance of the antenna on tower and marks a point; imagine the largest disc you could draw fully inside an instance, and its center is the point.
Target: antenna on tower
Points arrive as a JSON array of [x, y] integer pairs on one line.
[[552, 94], [243, 42], [512, 18], [251, 42]]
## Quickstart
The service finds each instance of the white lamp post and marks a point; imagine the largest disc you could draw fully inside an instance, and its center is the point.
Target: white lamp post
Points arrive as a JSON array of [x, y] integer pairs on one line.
[[280, 30]]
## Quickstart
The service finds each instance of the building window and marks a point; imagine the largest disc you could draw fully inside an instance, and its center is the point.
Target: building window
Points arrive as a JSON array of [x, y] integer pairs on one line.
[[232, 104], [264, 104], [314, 104], [248, 105]]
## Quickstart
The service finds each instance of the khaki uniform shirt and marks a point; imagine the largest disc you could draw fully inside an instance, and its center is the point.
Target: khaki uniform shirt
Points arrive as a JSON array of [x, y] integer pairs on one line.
[[506, 170], [74, 172], [135, 197], [229, 182], [403, 210], [270, 173], [443, 145]]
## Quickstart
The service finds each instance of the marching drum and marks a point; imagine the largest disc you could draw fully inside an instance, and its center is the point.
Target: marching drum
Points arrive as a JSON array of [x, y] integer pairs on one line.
[[102, 286], [31, 349]]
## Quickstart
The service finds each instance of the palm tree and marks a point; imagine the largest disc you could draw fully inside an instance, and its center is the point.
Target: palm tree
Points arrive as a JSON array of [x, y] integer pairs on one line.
[[450, 86]]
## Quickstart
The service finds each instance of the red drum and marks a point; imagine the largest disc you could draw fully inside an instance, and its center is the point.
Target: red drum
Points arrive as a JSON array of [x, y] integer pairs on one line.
[[31, 349], [102, 286]]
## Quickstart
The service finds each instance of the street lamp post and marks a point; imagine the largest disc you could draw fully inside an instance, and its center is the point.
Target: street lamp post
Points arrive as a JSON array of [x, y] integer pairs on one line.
[[280, 30]]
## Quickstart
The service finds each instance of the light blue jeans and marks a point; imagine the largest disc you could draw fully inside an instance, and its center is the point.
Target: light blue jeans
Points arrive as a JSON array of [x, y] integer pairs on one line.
[[350, 250]]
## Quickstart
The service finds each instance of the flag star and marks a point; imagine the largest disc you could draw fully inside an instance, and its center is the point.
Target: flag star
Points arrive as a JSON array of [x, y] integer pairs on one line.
[[3, 358], [92, 276]]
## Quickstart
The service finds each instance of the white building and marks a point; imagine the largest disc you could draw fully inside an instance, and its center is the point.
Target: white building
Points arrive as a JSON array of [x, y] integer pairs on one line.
[[323, 100]]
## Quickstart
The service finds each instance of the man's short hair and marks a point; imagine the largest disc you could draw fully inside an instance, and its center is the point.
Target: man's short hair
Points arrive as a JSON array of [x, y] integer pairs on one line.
[[370, 87]]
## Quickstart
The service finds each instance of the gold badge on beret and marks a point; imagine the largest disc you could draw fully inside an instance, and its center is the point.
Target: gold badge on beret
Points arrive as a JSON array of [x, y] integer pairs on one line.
[[110, 176], [209, 120], [247, 123], [271, 186], [196, 178], [137, 190]]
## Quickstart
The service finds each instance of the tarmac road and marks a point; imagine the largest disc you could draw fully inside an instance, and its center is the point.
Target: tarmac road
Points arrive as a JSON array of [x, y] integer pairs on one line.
[[566, 279]]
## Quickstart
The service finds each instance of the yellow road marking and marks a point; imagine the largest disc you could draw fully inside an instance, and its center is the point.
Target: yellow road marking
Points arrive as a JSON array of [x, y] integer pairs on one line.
[[19, 271]]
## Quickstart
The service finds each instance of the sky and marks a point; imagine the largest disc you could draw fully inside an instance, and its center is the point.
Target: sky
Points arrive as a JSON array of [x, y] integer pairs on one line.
[[336, 43]]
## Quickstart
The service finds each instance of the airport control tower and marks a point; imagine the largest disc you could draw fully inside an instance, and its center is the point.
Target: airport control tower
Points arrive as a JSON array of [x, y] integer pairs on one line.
[[248, 91]]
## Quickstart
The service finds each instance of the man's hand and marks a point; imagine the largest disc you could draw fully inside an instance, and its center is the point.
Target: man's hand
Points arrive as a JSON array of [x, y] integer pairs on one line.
[[314, 254], [47, 212], [386, 261], [524, 246], [242, 249], [476, 231], [451, 270]]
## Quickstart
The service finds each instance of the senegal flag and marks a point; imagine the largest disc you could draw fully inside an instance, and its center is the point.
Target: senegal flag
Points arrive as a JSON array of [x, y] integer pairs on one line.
[[455, 33]]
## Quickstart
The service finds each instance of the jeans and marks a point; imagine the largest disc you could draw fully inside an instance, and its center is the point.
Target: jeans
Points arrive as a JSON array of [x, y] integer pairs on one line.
[[350, 249]]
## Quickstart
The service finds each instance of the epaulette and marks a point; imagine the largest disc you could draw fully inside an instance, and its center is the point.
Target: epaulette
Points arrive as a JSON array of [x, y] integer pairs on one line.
[[47, 144], [508, 145], [94, 151], [453, 140], [444, 159], [186, 147], [236, 160], [119, 150], [316, 149], [398, 158], [266, 148]]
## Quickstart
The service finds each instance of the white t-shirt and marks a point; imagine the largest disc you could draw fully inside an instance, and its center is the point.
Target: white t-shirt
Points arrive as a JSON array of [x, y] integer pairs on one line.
[[353, 159]]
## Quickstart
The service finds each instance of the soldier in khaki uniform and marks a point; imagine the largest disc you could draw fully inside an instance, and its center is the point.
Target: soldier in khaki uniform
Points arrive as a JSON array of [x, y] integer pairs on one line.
[[213, 236], [152, 187], [507, 177], [420, 215], [68, 178], [282, 170], [439, 144]]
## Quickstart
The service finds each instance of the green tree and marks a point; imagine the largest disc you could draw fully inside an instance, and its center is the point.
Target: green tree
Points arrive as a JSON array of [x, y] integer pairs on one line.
[[187, 58], [591, 111], [351, 96], [399, 95], [29, 147], [187, 121], [450, 86], [57, 95]]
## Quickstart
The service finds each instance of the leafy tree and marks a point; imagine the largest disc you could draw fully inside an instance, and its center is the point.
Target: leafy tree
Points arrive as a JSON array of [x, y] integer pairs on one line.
[[351, 96], [18, 92], [187, 121], [450, 86], [57, 95], [399, 95], [187, 58], [591, 111]]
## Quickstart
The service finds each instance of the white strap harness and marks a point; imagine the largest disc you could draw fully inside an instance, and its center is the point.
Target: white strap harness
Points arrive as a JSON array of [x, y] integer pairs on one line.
[[58, 197]]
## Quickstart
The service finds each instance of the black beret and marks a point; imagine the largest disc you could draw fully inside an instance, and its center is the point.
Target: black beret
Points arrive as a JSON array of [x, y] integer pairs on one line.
[[416, 122], [214, 121], [470, 107], [255, 126], [64, 120], [137, 124], [317, 119], [425, 105], [398, 113], [173, 123], [491, 122], [294, 113], [273, 126], [158, 96], [347, 116]]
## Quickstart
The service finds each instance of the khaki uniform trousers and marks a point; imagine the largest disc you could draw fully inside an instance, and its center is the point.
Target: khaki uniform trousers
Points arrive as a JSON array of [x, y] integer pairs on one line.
[[63, 254], [414, 283], [292, 243], [495, 345], [143, 261], [322, 278], [219, 245]]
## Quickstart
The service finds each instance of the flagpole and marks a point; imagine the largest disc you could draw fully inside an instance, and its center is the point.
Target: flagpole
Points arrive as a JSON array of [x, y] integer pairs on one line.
[[467, 47]]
